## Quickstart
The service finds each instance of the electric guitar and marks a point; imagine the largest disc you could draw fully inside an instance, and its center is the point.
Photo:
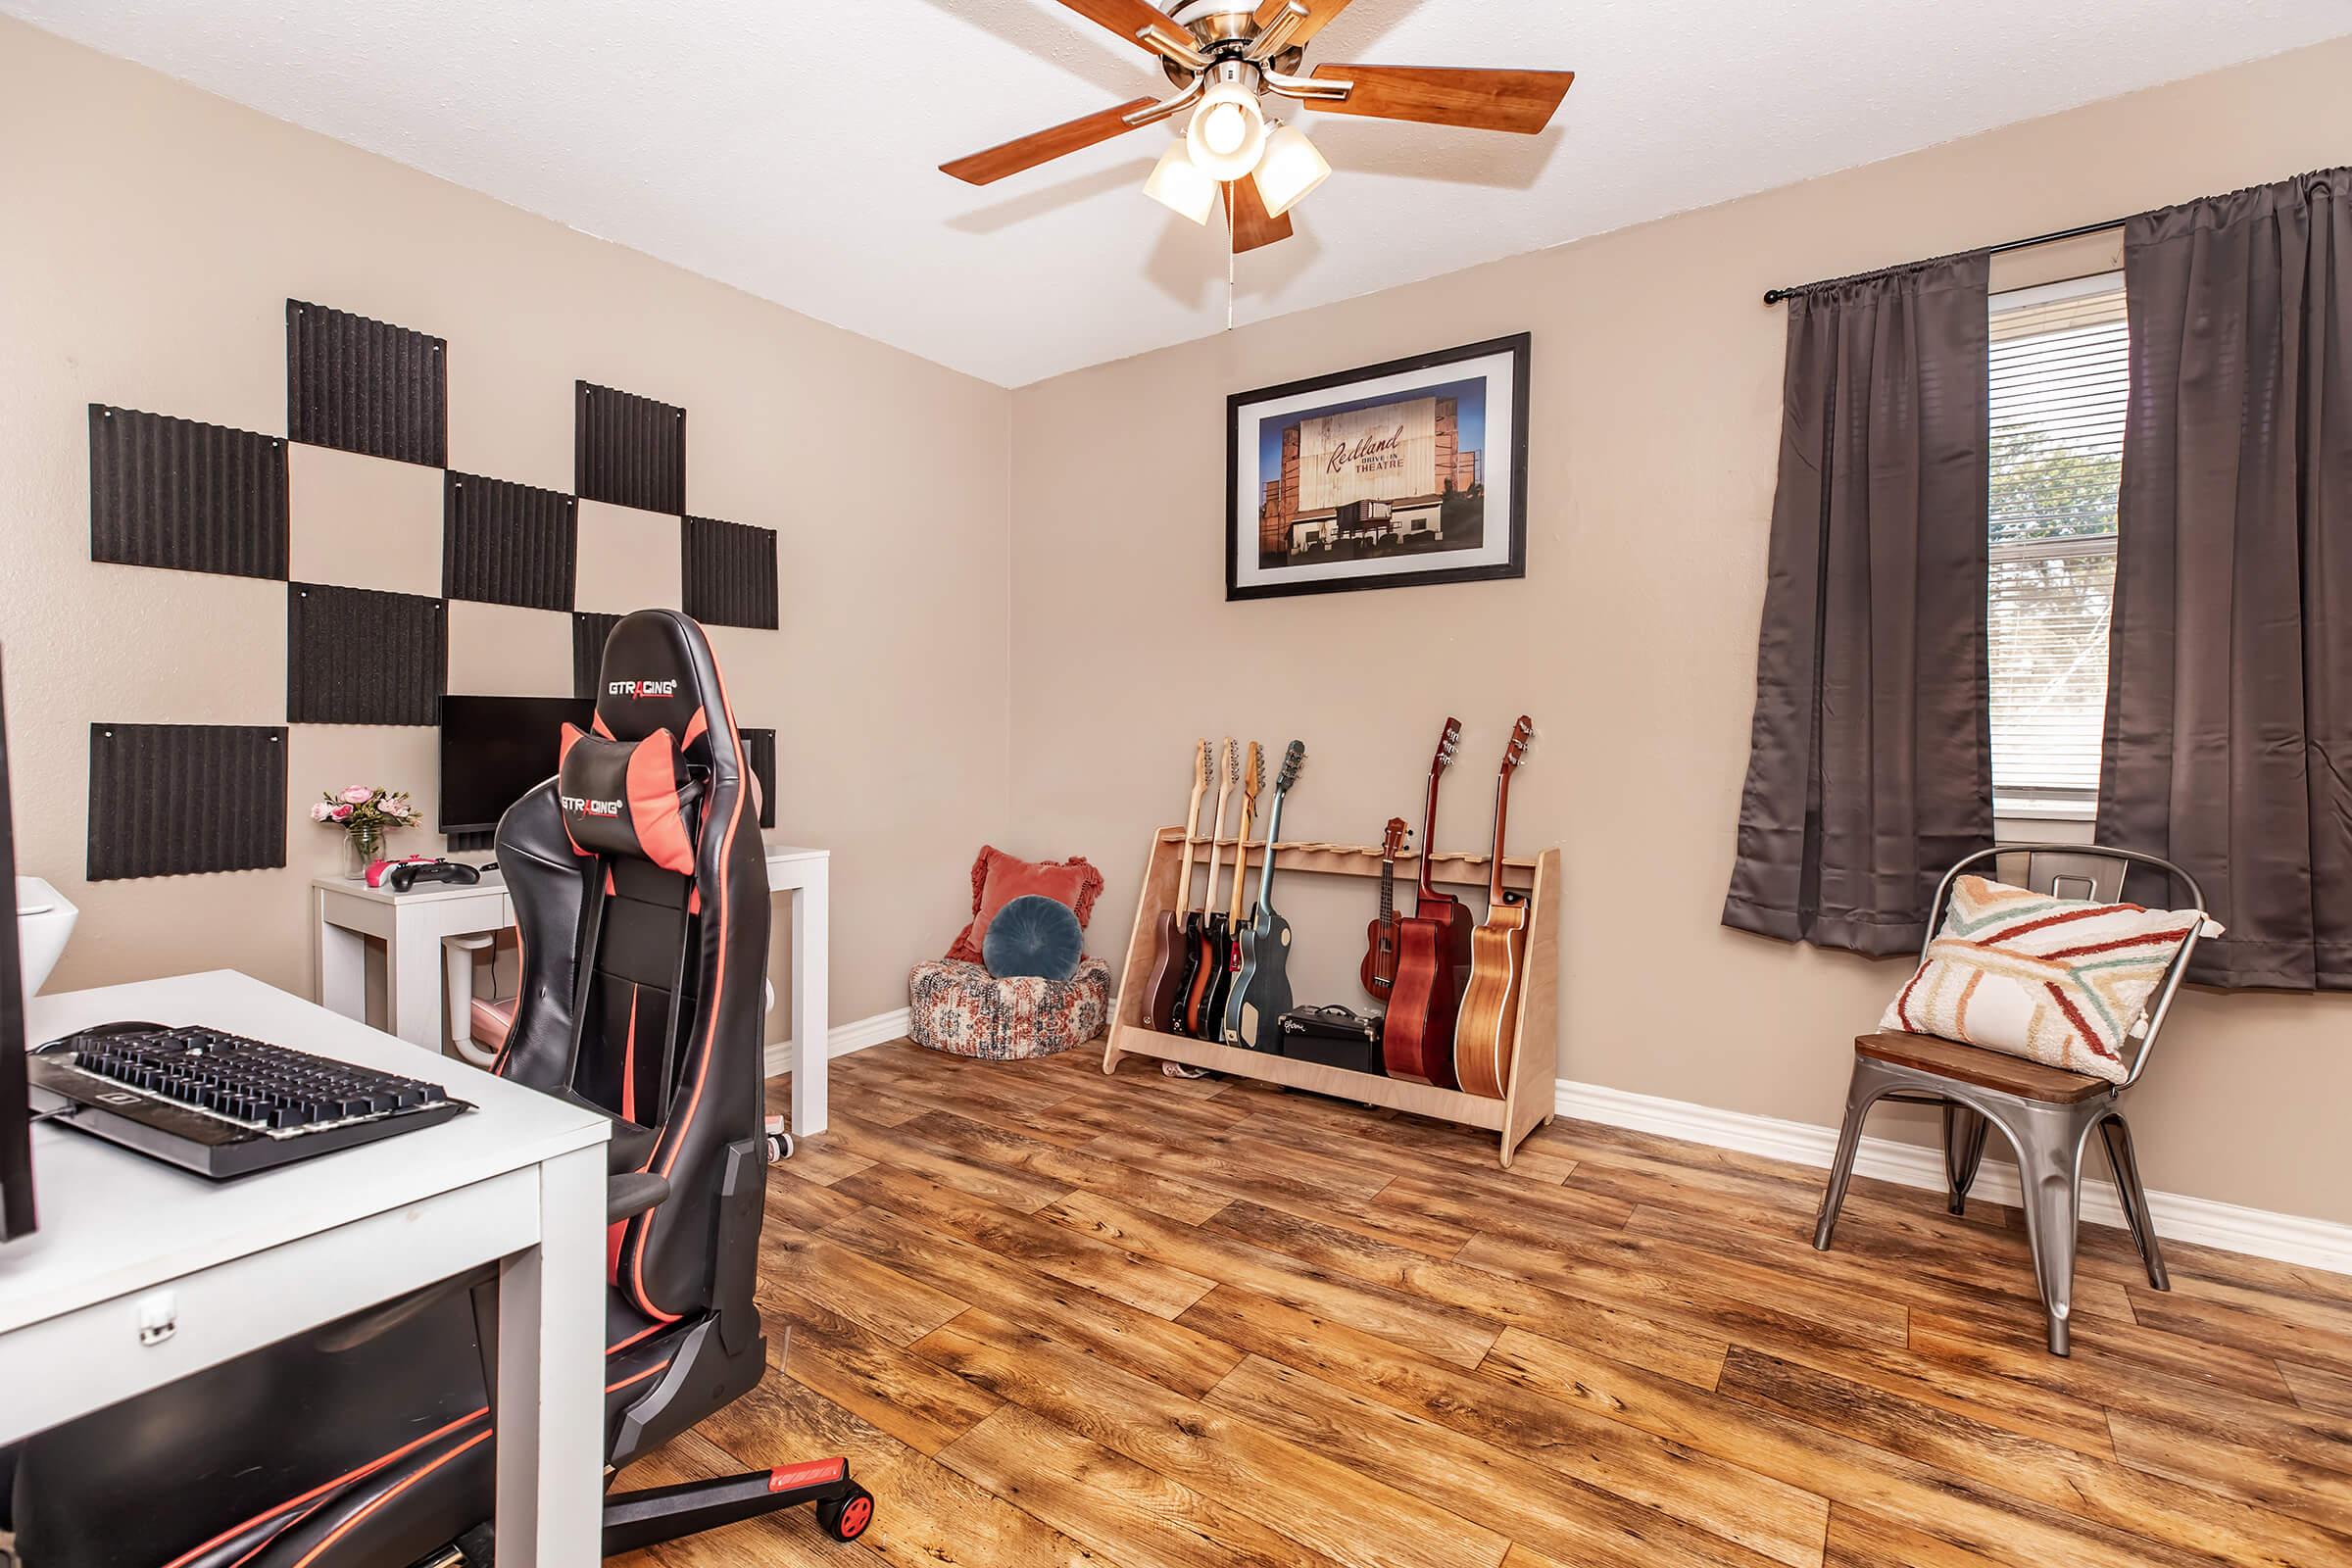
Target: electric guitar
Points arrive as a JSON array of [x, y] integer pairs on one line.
[[1261, 965], [1205, 947], [1378, 968], [1487, 1029], [1229, 924], [1433, 955], [1171, 954]]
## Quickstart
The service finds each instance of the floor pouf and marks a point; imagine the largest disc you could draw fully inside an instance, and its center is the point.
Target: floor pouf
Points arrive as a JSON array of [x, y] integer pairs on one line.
[[963, 1010]]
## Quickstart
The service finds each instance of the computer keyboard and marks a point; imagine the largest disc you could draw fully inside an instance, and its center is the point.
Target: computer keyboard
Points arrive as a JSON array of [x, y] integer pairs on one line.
[[222, 1104]]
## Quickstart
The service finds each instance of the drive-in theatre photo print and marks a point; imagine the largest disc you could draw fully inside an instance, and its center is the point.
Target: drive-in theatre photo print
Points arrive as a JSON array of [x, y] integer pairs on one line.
[[1390, 476]]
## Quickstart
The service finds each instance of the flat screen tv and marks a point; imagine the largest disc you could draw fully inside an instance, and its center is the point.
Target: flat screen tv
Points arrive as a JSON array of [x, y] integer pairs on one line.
[[15, 1114], [494, 749]]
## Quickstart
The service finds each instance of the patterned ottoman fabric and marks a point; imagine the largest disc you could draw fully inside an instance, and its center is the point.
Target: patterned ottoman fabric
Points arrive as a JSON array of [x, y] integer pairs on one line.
[[964, 1011]]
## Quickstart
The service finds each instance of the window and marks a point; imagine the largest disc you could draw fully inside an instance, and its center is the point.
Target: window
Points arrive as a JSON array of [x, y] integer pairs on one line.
[[2059, 382]]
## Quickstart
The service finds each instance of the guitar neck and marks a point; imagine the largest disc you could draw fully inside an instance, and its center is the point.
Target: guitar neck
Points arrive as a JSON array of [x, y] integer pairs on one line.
[[1208, 892], [1241, 864], [1388, 892], [1265, 870], [1429, 842], [1496, 897], [1184, 872]]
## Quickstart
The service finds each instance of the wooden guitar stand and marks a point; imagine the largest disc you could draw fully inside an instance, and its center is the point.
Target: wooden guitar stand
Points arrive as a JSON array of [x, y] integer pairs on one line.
[[1534, 1066]]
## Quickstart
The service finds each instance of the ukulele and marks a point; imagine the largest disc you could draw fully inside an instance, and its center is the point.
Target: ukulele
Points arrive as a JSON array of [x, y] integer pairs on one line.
[[1229, 925], [1261, 965], [1171, 957], [1205, 947], [1433, 955], [1378, 968], [1490, 1016]]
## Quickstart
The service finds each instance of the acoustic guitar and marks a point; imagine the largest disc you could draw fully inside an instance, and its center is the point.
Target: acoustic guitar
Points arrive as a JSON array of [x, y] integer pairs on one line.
[[1378, 968], [1171, 954], [1432, 955], [1204, 946], [1229, 924], [1488, 1028], [1261, 980]]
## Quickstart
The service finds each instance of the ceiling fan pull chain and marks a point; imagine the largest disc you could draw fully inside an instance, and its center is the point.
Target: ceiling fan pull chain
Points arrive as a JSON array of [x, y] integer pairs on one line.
[[1229, 250]]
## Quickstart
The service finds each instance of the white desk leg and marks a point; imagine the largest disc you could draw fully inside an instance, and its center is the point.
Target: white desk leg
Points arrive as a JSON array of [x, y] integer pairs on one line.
[[812, 1006], [342, 956], [412, 966], [551, 1373]]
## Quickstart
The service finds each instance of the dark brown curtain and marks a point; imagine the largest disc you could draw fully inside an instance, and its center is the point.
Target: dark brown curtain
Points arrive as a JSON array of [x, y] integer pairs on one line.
[[1870, 770], [2228, 741]]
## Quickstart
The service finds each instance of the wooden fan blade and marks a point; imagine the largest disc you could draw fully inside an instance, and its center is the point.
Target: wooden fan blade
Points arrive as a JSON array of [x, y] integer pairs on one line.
[[1254, 227], [1127, 18], [986, 169], [1520, 101], [1318, 11]]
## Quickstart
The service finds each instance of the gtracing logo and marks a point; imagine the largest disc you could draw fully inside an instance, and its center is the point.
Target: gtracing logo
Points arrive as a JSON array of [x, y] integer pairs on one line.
[[578, 805], [642, 688]]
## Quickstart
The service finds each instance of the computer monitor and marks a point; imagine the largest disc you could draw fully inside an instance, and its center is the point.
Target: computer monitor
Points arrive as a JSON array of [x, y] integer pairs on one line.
[[15, 1111], [495, 749]]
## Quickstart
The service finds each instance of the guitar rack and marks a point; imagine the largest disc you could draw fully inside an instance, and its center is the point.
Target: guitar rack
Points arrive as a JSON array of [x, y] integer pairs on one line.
[[1535, 1062]]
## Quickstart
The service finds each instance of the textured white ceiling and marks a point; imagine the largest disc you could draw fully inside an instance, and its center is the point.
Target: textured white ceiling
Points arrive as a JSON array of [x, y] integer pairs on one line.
[[789, 147]]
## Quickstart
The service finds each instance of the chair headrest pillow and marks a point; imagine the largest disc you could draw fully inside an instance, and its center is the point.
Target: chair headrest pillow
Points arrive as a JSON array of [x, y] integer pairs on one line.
[[622, 798]]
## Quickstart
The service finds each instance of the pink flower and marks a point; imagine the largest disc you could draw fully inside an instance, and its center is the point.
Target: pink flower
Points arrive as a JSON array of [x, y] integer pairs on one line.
[[358, 794], [340, 813], [396, 808], [319, 812]]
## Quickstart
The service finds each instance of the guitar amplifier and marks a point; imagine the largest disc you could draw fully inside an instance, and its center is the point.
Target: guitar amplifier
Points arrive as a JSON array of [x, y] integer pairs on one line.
[[1334, 1035]]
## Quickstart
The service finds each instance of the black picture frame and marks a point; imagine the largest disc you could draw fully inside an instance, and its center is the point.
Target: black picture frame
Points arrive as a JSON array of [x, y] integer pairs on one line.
[[1380, 571]]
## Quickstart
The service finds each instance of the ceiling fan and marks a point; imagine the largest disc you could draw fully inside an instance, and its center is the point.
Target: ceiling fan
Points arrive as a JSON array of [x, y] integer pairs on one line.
[[1224, 56]]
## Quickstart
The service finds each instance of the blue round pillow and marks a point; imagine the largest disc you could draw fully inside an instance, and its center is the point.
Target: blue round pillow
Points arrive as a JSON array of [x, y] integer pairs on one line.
[[1033, 934]]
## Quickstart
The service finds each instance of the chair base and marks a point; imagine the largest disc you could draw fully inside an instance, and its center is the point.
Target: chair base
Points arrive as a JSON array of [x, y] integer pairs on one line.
[[2048, 1138], [639, 1519]]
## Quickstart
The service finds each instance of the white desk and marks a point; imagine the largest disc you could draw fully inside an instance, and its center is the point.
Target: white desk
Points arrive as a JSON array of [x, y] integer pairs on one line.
[[239, 1265], [412, 925]]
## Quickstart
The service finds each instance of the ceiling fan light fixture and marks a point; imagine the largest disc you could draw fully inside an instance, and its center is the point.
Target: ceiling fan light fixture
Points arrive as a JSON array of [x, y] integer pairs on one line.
[[1178, 184], [1290, 170], [1228, 133]]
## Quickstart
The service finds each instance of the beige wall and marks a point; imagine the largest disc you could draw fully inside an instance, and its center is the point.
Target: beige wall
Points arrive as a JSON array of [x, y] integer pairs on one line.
[[149, 238], [1632, 640]]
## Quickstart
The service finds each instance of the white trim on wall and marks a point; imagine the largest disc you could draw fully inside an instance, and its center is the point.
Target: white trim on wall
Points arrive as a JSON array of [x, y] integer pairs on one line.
[[845, 1038], [2286, 1238]]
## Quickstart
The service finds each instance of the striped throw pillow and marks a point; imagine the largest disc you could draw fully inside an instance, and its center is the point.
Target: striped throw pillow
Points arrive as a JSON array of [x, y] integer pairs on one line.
[[2053, 980]]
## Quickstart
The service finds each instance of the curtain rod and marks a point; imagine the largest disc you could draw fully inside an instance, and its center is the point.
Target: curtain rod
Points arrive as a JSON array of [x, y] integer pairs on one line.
[[1774, 295]]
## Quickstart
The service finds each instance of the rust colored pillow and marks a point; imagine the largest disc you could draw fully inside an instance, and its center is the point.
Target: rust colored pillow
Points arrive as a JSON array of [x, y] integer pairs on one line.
[[999, 878]]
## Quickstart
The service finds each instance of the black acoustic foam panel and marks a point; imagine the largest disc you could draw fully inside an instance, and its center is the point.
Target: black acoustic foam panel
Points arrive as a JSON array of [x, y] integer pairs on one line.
[[472, 843], [729, 573], [589, 631], [191, 496], [355, 655], [507, 543], [166, 800], [761, 746], [628, 450], [366, 387]]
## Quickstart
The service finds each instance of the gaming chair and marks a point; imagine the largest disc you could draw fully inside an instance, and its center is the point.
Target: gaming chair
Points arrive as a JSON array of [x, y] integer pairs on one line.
[[640, 892]]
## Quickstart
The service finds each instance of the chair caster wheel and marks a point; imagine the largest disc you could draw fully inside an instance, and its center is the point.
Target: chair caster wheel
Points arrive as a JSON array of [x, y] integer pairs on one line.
[[845, 1517]]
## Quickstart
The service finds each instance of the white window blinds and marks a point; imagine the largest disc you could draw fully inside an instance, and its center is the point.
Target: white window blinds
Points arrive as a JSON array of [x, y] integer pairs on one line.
[[2059, 382]]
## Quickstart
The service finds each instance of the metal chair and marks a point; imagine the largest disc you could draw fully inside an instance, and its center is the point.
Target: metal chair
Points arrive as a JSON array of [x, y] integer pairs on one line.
[[2048, 1113]]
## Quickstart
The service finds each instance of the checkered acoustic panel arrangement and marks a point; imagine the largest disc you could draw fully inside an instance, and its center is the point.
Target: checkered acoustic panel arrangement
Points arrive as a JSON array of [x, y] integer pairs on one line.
[[529, 582]]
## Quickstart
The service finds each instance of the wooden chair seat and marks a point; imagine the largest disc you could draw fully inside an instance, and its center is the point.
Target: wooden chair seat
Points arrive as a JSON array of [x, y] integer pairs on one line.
[[1987, 1070]]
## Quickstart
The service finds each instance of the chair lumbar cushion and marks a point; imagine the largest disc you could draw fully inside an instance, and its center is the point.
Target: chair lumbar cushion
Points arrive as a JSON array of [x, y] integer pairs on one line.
[[2056, 981], [1034, 935]]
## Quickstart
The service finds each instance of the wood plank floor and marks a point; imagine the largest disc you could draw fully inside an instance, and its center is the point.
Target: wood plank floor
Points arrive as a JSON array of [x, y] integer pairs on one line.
[[1071, 1321]]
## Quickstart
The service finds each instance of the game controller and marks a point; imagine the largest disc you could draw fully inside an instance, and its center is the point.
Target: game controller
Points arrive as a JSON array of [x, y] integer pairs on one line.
[[402, 875]]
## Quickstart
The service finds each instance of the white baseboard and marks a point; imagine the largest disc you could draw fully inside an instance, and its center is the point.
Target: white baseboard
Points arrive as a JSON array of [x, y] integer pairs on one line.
[[2286, 1238], [845, 1038]]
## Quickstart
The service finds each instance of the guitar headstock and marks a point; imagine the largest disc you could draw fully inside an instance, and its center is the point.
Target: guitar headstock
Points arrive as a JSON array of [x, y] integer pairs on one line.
[[1292, 761], [1392, 842], [1448, 742], [1254, 776], [1201, 765], [1233, 765], [1523, 735]]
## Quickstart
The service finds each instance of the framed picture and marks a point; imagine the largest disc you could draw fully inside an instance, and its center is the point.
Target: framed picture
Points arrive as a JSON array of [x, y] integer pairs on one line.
[[1390, 476]]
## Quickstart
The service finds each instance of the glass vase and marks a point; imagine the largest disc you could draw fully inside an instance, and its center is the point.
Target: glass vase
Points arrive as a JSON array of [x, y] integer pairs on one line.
[[363, 847]]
